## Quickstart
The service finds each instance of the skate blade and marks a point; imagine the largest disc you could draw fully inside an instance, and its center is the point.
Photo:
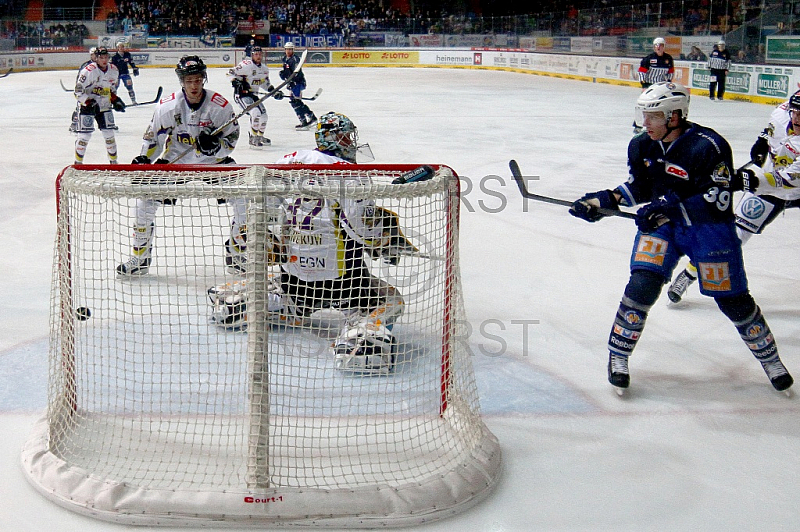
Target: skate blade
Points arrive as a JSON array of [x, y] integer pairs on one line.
[[619, 391]]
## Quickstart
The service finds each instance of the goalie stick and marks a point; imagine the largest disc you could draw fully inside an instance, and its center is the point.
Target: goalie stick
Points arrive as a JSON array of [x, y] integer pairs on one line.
[[523, 189], [11, 70], [253, 105]]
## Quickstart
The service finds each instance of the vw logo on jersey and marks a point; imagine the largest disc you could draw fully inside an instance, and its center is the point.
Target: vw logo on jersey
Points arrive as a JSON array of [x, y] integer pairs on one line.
[[753, 207]]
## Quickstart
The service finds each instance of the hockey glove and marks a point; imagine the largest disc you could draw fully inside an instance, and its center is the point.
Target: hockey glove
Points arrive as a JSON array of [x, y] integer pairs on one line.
[[240, 86], [208, 144], [586, 208], [141, 159], [657, 213], [135, 71], [90, 107], [119, 105], [760, 150], [745, 179]]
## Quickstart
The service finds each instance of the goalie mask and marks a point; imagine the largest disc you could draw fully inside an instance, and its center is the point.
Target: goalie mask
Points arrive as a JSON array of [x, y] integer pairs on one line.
[[191, 64], [337, 135]]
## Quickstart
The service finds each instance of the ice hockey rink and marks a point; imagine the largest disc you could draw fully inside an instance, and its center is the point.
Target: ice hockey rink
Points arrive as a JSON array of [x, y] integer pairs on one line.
[[701, 441]]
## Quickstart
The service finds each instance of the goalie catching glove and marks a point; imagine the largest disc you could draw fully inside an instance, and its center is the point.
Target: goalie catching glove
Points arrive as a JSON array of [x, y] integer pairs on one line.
[[587, 208]]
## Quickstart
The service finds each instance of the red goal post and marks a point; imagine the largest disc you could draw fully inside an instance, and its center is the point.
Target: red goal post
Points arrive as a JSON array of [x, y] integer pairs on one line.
[[156, 415]]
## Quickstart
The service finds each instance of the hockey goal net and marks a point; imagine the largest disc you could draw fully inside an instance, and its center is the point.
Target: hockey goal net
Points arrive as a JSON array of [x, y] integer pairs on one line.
[[157, 415]]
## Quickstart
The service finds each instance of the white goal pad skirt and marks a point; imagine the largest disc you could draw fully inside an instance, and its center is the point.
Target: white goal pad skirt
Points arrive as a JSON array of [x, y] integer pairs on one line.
[[157, 416]]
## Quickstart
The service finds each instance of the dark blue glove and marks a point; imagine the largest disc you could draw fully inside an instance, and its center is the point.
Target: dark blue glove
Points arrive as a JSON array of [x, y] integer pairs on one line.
[[141, 159], [135, 71], [586, 208], [657, 213]]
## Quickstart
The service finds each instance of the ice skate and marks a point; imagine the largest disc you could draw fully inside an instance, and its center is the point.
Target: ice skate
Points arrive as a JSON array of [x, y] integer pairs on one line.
[[618, 372], [303, 125], [778, 375], [136, 265], [678, 288]]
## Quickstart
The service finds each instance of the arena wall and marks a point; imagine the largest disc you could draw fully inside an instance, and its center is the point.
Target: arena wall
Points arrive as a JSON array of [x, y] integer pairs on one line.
[[767, 84]]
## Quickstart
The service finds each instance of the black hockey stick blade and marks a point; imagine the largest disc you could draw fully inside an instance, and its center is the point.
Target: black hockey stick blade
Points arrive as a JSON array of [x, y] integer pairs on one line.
[[422, 173], [316, 95], [65, 87], [523, 189], [10, 70], [154, 100]]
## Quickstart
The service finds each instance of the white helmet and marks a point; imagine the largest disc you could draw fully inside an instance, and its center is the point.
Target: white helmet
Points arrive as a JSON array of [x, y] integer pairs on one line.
[[665, 97], [721, 43], [289, 46], [659, 41]]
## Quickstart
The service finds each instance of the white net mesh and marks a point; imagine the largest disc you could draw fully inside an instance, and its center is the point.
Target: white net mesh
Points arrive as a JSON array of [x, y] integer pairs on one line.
[[189, 418]]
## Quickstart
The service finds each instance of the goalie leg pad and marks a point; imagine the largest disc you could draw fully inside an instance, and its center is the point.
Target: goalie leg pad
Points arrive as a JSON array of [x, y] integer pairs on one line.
[[365, 349]]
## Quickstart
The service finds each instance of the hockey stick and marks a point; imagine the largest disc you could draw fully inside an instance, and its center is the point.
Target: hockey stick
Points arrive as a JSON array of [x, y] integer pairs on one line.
[[253, 105], [64, 87], [154, 100], [523, 189], [7, 73], [311, 99]]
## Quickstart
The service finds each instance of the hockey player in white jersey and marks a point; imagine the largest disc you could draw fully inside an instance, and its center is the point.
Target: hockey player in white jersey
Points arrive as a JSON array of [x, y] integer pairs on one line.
[[247, 77], [95, 90], [777, 175], [324, 280], [182, 126]]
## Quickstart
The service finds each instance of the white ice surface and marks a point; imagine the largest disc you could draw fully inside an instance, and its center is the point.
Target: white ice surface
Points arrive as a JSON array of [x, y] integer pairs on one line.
[[701, 442]]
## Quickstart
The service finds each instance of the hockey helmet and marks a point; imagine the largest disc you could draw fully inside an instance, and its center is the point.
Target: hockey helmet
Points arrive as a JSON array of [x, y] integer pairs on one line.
[[93, 50], [794, 102], [191, 64], [101, 50], [659, 41], [336, 134], [288, 46], [721, 44], [663, 97], [256, 49]]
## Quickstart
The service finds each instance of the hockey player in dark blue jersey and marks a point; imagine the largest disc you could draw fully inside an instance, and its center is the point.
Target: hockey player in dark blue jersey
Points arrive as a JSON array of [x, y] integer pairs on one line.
[[124, 63], [682, 174], [296, 88]]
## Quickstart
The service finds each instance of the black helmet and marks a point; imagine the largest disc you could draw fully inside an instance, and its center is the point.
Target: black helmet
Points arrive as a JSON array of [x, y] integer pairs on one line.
[[101, 50], [794, 102], [191, 64], [256, 49]]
